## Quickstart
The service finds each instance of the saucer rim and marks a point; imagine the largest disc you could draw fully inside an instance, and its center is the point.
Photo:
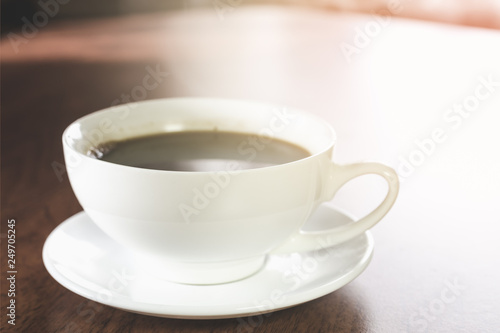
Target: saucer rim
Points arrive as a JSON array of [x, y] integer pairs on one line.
[[204, 312]]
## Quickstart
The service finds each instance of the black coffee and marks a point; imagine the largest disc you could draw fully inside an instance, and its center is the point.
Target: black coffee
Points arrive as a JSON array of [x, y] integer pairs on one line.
[[200, 151]]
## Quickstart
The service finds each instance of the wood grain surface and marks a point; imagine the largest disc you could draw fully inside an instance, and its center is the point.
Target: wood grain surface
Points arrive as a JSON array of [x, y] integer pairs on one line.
[[435, 267]]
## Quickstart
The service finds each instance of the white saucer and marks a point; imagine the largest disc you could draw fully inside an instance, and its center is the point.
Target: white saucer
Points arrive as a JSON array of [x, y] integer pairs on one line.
[[83, 259]]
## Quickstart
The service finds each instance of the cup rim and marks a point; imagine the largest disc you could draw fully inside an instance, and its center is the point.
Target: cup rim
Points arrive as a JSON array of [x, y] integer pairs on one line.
[[97, 113]]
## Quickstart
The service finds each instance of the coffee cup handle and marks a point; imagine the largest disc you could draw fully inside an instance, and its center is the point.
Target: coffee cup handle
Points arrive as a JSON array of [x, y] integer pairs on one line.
[[339, 175]]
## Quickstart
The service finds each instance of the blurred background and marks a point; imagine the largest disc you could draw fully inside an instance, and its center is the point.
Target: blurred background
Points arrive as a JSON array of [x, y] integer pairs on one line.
[[385, 84], [481, 13]]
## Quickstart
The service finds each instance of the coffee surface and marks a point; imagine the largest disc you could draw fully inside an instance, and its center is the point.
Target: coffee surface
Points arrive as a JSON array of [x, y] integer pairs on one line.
[[200, 151]]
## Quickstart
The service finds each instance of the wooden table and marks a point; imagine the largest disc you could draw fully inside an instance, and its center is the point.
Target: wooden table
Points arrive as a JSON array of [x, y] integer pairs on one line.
[[421, 97]]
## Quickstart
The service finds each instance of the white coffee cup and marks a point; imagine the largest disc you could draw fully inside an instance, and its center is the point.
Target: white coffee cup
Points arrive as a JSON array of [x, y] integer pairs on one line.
[[213, 227]]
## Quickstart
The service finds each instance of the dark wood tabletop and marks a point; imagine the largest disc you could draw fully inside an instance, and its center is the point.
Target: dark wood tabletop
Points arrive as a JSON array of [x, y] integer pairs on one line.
[[421, 97]]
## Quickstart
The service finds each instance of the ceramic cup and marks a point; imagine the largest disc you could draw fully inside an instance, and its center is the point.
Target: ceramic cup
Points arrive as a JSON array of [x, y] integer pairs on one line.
[[213, 227]]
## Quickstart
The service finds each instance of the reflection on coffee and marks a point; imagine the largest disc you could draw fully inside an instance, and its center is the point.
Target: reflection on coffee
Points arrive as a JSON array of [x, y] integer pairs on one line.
[[199, 151]]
